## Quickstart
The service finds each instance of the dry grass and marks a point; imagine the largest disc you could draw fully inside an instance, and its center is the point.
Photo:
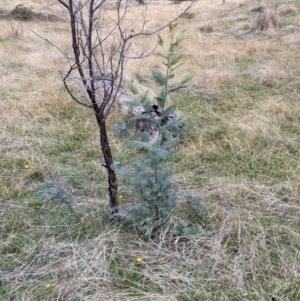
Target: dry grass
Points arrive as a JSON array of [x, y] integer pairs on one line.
[[287, 9], [241, 154], [266, 20]]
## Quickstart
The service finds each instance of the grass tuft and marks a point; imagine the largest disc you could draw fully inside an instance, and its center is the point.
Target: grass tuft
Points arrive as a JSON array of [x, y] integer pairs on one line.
[[187, 16], [287, 9], [22, 13], [266, 19], [206, 28]]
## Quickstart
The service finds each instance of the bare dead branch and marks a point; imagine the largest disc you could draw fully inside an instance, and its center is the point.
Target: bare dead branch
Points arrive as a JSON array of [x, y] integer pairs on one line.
[[64, 79], [63, 3], [101, 46], [143, 33], [52, 44]]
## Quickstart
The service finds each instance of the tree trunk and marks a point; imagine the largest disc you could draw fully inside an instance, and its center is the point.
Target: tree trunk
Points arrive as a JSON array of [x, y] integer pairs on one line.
[[107, 155]]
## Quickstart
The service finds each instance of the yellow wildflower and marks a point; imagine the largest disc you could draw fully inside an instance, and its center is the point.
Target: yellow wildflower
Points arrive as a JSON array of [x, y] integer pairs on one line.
[[139, 260], [26, 166], [121, 197], [48, 285]]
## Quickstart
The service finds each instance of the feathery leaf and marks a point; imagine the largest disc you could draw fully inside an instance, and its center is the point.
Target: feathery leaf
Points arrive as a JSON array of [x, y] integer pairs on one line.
[[169, 110], [159, 78]]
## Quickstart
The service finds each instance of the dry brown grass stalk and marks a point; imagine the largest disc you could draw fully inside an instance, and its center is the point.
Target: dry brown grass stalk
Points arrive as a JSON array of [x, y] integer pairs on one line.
[[266, 19]]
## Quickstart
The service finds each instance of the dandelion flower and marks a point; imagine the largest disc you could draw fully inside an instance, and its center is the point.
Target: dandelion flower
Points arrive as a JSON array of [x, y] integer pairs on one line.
[[26, 166], [48, 285], [139, 260], [121, 197]]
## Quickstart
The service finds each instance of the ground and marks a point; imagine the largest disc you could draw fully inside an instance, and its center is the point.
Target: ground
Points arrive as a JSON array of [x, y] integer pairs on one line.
[[240, 154]]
